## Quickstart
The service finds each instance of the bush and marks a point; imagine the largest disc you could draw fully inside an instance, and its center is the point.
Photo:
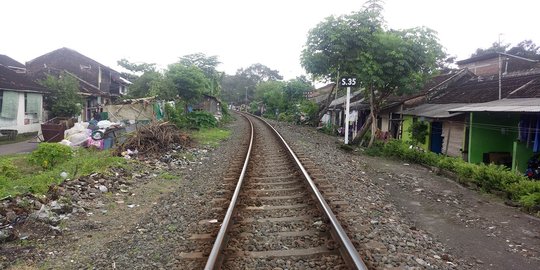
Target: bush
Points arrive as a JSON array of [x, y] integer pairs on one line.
[[49, 155], [201, 119], [8, 170], [195, 119]]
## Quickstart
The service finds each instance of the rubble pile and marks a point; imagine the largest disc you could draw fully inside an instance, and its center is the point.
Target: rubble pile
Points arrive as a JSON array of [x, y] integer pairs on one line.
[[154, 138]]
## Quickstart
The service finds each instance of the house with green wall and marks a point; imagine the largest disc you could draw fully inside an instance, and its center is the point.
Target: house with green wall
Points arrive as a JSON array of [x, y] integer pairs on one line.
[[505, 131]]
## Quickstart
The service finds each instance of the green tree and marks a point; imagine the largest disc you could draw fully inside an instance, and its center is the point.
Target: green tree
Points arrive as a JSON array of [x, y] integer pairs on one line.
[[64, 99], [144, 85], [240, 88], [271, 94], [144, 77], [208, 65], [295, 89], [186, 82], [385, 61], [136, 68]]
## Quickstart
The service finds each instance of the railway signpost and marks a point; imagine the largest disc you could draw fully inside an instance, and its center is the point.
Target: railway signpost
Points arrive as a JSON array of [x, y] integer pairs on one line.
[[347, 82]]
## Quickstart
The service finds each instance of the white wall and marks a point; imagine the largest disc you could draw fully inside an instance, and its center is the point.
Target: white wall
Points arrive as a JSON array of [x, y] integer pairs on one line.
[[19, 123]]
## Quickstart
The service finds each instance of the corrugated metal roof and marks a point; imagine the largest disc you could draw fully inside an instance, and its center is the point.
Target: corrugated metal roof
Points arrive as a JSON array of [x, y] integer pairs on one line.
[[341, 100], [433, 110], [503, 105]]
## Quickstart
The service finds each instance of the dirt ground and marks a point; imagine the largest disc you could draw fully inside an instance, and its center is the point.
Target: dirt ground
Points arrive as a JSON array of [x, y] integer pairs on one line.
[[469, 222]]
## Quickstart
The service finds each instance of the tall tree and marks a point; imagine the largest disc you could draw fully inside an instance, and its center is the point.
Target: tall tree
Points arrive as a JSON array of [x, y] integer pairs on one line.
[[331, 49], [208, 65], [143, 76], [240, 88], [186, 82], [385, 61]]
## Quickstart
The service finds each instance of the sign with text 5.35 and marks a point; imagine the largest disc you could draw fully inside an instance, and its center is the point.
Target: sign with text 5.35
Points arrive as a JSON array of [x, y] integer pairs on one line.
[[347, 82]]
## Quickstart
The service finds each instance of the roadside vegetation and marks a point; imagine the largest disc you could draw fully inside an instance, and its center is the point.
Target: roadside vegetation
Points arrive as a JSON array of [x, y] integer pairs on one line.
[[496, 179], [50, 164]]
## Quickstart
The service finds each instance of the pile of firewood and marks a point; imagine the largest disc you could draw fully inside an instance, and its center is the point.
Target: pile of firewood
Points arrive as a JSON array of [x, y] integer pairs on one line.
[[154, 138]]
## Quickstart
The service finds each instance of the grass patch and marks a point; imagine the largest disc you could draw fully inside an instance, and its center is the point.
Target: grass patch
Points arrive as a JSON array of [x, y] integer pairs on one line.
[[25, 176], [168, 176], [210, 136]]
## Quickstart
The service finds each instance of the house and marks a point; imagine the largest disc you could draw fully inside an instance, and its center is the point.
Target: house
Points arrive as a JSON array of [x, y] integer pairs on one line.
[[209, 104], [21, 102], [98, 83], [445, 130], [504, 131], [493, 63]]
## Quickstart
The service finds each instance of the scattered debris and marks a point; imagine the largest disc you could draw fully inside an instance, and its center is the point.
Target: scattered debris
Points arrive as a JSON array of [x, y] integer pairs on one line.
[[153, 139]]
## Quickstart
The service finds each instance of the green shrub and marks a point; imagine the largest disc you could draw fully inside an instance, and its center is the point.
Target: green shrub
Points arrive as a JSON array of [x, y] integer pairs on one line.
[[286, 117], [488, 176], [464, 170], [49, 155], [530, 200], [8, 170], [201, 119], [523, 187]]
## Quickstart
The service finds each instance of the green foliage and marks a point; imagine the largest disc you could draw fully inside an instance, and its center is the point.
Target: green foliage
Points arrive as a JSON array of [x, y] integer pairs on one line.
[[196, 119], [208, 65], [419, 131], [201, 119], [240, 88], [64, 99], [31, 177], [148, 84], [7, 169], [186, 82], [49, 155], [385, 62], [488, 177]]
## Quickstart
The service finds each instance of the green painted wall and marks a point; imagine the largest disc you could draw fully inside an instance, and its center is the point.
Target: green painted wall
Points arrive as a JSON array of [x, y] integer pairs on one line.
[[407, 136], [521, 156], [491, 132]]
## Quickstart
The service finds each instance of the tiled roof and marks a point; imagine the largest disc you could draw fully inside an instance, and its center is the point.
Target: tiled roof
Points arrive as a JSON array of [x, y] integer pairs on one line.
[[11, 80], [484, 89], [10, 62]]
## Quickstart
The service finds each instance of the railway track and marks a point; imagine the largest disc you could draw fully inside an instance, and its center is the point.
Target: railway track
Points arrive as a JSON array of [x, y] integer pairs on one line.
[[275, 218]]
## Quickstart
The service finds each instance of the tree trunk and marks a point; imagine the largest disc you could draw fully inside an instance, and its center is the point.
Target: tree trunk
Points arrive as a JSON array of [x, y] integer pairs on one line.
[[373, 115], [363, 130]]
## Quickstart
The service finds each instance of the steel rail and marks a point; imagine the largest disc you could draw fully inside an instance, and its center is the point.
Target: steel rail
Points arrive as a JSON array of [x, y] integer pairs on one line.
[[225, 225], [351, 251]]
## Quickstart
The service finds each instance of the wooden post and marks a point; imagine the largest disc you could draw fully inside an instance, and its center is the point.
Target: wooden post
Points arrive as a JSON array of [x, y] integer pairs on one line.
[[448, 139]]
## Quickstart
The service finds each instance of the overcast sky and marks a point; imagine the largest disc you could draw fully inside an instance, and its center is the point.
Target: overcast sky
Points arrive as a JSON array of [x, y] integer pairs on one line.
[[241, 32]]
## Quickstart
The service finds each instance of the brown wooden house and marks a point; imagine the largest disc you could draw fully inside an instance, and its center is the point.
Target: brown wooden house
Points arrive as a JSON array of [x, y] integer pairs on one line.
[[98, 83]]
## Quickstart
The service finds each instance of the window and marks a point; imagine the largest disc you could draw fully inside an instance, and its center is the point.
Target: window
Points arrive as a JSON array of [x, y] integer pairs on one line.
[[32, 108], [1, 99]]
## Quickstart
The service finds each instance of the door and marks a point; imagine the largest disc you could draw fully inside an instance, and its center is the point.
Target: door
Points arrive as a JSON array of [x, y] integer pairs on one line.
[[436, 137]]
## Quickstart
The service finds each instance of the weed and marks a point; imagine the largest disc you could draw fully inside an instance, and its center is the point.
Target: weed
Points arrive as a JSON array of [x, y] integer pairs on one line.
[[168, 176], [49, 155]]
